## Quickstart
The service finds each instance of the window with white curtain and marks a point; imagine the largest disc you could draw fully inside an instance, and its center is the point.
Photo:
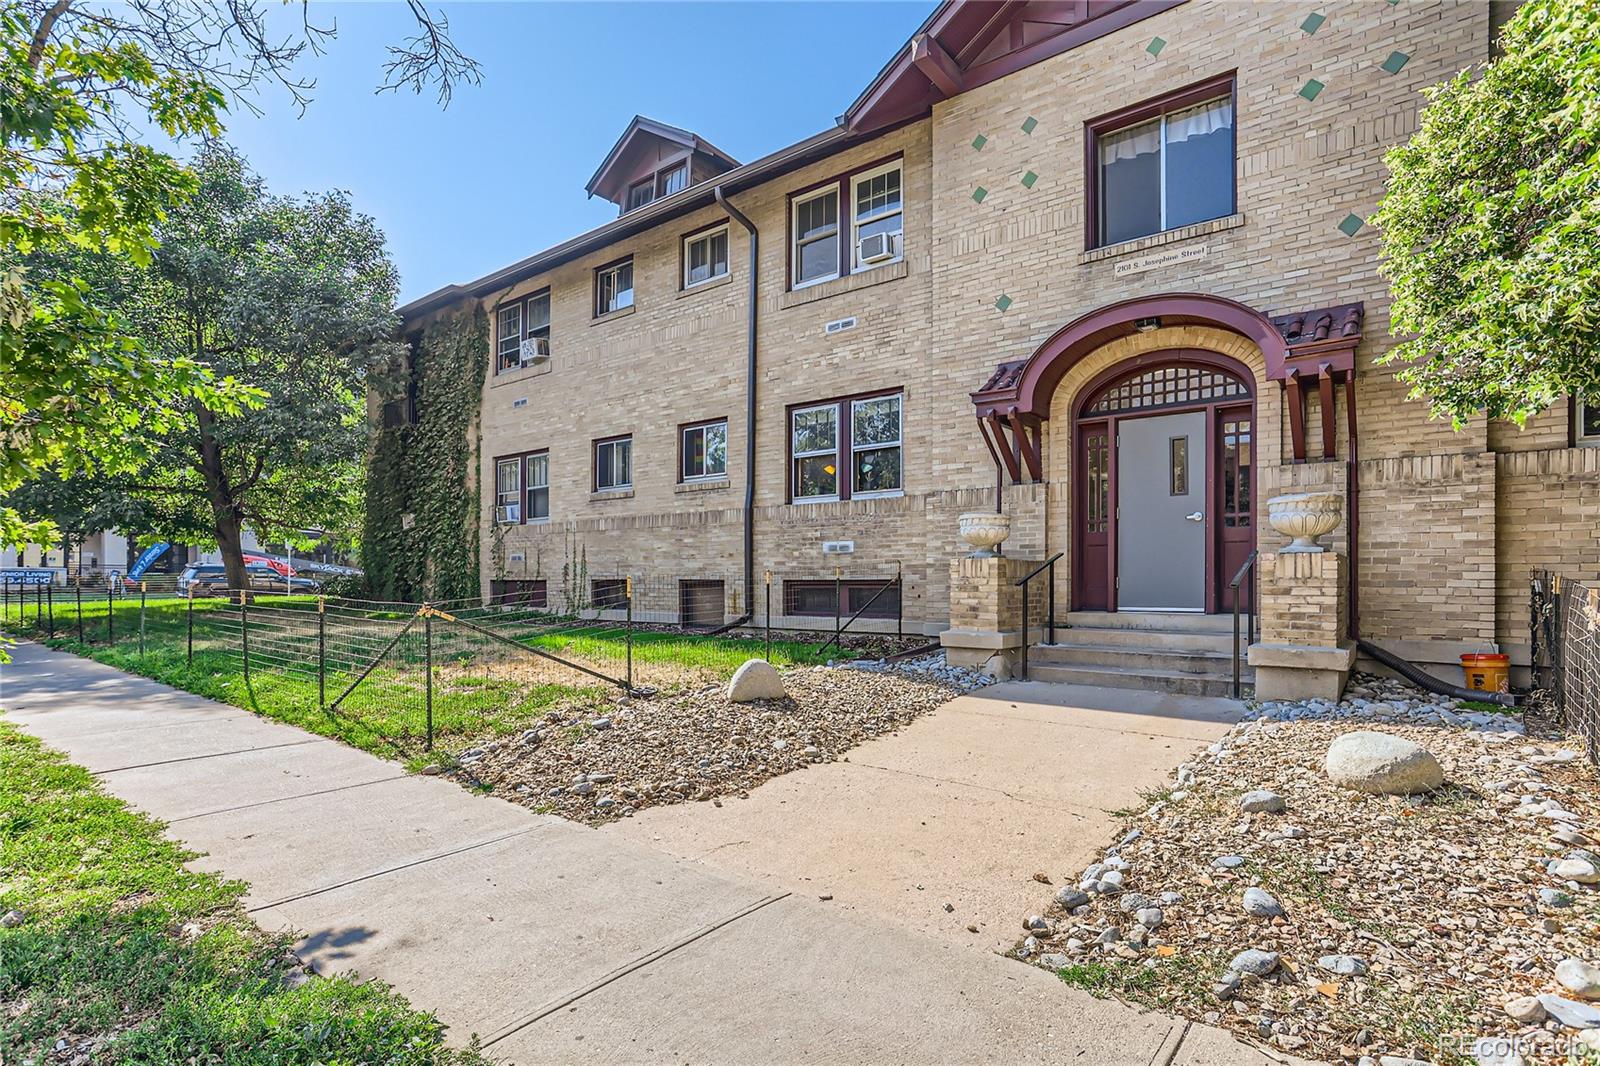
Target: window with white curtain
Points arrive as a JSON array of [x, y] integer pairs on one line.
[[1165, 172]]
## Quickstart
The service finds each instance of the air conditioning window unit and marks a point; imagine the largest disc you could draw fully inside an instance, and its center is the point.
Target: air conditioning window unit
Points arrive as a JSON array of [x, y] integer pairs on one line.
[[877, 247], [534, 350], [509, 514]]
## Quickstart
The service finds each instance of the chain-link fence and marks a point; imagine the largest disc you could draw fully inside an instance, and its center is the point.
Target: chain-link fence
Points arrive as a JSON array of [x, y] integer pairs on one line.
[[1566, 652], [406, 672]]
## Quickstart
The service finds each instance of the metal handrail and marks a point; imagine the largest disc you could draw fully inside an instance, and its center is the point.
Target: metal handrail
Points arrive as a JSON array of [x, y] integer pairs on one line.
[[1050, 621], [1248, 568], [839, 630]]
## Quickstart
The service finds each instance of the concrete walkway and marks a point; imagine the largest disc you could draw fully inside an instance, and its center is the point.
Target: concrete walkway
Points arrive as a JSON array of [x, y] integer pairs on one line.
[[551, 941]]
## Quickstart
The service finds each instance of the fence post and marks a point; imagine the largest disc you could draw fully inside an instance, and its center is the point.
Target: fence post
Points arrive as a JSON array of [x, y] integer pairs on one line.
[[629, 590], [427, 640], [244, 633], [50, 602], [838, 603], [142, 591], [767, 654], [1025, 630], [111, 627], [77, 588], [38, 608], [322, 653], [899, 602], [189, 656]]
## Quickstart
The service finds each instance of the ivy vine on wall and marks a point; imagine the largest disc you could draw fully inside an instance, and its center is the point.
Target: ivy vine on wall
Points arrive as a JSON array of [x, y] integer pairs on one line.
[[420, 540]]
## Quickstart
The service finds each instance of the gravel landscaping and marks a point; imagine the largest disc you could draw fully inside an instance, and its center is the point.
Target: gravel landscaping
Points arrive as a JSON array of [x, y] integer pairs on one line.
[[1454, 925], [605, 759]]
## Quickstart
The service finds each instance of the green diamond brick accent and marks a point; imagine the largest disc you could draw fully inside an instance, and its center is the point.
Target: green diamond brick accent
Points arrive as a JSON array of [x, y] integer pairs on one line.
[[1313, 22], [978, 142], [1030, 124], [1155, 46], [1002, 303], [1028, 179], [1351, 224], [1396, 62], [979, 193], [1311, 89]]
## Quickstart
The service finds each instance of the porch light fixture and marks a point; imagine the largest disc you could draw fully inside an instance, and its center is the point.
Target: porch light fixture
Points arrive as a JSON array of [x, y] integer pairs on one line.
[[1145, 325]]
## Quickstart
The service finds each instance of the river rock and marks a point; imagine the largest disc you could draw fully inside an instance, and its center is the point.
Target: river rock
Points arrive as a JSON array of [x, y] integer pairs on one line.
[[1580, 978], [755, 680], [1261, 800], [1259, 903], [1570, 1013], [1525, 1010], [1254, 961], [1382, 764], [1344, 965], [1580, 870]]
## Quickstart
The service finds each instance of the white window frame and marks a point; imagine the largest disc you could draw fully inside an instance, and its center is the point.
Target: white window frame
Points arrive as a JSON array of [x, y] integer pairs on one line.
[[706, 236], [614, 442], [856, 224], [1591, 440], [796, 456], [683, 452], [649, 185], [502, 335], [611, 272], [832, 189], [898, 444], [528, 486], [501, 495], [664, 173]]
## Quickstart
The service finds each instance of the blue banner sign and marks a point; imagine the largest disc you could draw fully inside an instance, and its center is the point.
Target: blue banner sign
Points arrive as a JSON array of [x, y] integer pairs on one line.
[[27, 576], [147, 559]]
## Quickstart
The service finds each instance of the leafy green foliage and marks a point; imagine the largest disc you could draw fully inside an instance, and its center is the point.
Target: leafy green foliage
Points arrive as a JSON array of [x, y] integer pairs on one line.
[[103, 951], [427, 467], [1491, 225]]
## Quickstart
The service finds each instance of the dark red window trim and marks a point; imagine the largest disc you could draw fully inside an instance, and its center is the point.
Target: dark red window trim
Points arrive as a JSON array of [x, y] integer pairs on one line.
[[1132, 115], [684, 427], [846, 222], [883, 608], [843, 463], [522, 503], [522, 302]]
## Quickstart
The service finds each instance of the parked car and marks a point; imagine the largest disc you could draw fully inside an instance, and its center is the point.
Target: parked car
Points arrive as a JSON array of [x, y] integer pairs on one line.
[[212, 578]]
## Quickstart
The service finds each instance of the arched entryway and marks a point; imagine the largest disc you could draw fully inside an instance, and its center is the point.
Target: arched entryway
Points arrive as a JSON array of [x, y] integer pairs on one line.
[[1163, 482]]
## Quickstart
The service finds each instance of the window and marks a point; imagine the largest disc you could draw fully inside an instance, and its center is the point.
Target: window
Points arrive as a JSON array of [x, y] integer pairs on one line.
[[608, 593], [1178, 466], [1587, 423], [1165, 165], [538, 479], [1097, 483], [508, 491], [816, 238], [869, 447], [814, 446], [522, 332], [1236, 473], [641, 193], [1166, 386], [671, 180], [700, 603], [613, 287], [512, 592], [613, 464], [705, 256], [878, 216], [508, 336], [705, 451], [820, 598]]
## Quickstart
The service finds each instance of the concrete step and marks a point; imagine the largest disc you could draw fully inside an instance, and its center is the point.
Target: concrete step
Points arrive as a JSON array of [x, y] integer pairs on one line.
[[1185, 684], [1208, 662], [1169, 621], [1145, 639]]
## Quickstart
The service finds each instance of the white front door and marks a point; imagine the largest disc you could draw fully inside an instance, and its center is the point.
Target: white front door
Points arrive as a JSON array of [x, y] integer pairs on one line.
[[1161, 520]]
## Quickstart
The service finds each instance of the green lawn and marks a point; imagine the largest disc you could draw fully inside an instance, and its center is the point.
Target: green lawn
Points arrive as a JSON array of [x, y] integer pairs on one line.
[[481, 687], [120, 943]]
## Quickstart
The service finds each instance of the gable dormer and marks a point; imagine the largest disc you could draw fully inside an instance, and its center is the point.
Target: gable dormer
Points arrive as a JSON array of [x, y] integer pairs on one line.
[[652, 160]]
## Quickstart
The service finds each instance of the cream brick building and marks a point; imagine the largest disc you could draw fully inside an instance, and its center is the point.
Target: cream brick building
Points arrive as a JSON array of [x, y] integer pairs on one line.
[[1036, 203]]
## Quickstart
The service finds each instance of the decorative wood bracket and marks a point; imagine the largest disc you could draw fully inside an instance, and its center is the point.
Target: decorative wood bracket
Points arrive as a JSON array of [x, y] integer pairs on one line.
[[1016, 440]]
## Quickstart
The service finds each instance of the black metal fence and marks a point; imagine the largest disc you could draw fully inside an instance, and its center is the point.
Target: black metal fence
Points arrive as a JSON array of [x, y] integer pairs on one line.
[[1566, 652]]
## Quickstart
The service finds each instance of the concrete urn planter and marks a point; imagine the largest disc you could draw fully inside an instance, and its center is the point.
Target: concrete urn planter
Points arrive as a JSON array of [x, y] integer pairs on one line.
[[984, 530], [1305, 516]]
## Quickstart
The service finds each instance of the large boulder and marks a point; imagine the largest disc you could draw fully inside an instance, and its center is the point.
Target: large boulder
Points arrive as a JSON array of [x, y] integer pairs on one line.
[[1383, 764], [755, 680]]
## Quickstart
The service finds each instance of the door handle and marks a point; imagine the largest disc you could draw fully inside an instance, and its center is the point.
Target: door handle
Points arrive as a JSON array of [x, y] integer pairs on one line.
[[1196, 517]]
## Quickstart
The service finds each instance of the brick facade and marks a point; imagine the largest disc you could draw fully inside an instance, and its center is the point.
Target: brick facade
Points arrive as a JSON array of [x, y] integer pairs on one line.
[[1450, 520]]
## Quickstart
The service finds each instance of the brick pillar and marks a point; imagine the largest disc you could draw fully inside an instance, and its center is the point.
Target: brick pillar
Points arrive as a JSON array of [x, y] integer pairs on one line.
[[986, 613], [1304, 652]]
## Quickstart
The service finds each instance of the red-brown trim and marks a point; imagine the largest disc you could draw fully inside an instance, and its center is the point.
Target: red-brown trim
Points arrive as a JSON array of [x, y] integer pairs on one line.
[[846, 223], [684, 427], [1295, 400], [522, 479], [1325, 401], [843, 443], [1132, 115]]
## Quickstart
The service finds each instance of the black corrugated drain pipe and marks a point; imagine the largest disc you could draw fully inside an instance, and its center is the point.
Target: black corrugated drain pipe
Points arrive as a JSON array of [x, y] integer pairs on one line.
[[749, 419], [1422, 679]]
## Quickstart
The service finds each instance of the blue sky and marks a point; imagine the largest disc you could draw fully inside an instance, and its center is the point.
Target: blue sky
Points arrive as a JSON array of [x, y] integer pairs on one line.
[[499, 175]]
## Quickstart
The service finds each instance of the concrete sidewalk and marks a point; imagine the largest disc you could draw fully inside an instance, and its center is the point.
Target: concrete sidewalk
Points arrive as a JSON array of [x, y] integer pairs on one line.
[[552, 941]]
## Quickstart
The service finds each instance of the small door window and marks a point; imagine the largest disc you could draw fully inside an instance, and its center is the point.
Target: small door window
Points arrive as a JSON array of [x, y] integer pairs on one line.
[[1178, 465]]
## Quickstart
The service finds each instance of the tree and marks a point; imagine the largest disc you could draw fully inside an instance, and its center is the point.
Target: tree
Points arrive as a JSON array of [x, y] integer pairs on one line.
[[81, 84], [1491, 225], [292, 298]]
